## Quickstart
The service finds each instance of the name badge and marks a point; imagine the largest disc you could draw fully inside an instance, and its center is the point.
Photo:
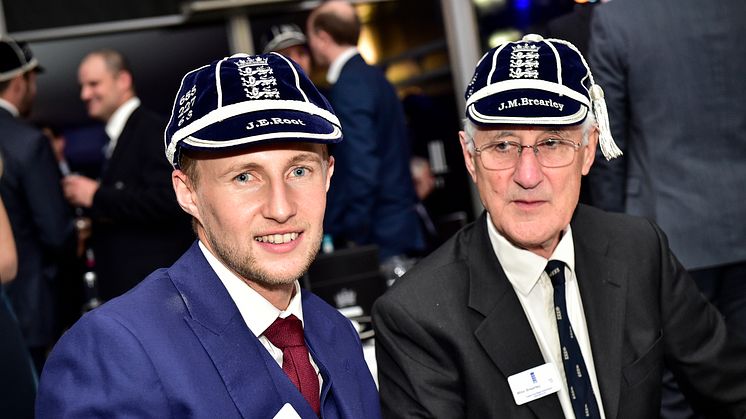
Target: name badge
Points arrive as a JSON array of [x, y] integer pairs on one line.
[[534, 383]]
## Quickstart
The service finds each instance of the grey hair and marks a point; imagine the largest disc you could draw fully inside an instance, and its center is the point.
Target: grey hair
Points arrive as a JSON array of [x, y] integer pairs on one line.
[[470, 129]]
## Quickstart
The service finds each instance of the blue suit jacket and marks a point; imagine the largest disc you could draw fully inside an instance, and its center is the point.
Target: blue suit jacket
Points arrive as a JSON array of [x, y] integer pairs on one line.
[[177, 346], [372, 198]]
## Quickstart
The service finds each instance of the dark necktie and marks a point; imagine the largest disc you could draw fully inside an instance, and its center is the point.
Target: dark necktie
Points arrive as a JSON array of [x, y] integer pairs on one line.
[[578, 382], [287, 334]]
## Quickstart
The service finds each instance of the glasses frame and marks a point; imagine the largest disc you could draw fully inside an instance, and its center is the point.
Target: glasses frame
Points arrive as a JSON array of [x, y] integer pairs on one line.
[[534, 147]]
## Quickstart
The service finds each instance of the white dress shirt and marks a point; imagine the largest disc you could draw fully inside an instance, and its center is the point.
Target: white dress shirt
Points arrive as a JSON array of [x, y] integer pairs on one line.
[[257, 312], [525, 271], [115, 124], [335, 68], [9, 107]]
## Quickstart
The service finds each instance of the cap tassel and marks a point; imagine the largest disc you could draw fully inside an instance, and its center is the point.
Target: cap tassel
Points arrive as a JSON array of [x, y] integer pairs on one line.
[[608, 146]]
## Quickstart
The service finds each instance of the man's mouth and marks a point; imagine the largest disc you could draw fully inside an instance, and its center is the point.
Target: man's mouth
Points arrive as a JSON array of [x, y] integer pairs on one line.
[[277, 238]]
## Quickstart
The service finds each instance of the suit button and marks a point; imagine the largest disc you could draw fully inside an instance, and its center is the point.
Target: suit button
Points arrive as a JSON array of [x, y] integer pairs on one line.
[[119, 185]]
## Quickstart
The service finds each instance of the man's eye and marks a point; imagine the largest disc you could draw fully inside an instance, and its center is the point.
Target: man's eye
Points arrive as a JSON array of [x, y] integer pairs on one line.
[[550, 143], [503, 147], [300, 171], [243, 178]]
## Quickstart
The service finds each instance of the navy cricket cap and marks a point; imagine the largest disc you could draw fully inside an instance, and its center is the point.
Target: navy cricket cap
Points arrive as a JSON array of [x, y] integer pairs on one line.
[[245, 100], [15, 58], [537, 81]]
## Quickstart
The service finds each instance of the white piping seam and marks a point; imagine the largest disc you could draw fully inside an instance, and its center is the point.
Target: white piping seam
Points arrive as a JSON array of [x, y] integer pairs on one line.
[[176, 99], [570, 119], [198, 142], [295, 73], [241, 108], [494, 64], [527, 84], [218, 84], [557, 61]]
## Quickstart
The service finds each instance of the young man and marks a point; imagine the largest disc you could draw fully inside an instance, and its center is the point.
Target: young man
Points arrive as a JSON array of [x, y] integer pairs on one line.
[[544, 308], [226, 331]]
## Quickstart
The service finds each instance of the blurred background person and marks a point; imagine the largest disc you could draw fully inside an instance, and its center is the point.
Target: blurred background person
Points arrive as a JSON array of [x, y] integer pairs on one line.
[[40, 218], [288, 39], [137, 226], [17, 380], [676, 94], [372, 198]]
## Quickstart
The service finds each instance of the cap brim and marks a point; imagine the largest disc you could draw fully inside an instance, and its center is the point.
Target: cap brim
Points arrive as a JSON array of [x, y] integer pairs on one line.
[[526, 106], [262, 127]]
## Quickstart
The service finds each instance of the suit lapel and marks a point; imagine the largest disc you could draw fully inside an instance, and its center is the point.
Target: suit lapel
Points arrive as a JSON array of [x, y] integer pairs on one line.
[[325, 341], [603, 289], [505, 333], [255, 383], [123, 142]]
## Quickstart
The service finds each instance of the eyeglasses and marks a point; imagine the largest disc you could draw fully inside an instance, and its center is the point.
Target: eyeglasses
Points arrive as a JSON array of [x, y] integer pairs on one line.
[[549, 153]]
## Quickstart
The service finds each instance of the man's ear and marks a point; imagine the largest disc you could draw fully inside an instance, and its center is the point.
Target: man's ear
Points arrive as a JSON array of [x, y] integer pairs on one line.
[[329, 172], [124, 80], [468, 157], [589, 154], [186, 194]]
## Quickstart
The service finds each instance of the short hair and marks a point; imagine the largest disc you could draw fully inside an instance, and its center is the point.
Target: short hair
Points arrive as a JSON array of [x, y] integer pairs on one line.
[[114, 60], [344, 30], [6, 83], [470, 129]]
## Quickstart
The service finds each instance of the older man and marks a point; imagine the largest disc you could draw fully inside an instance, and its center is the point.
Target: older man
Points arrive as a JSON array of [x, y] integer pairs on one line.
[[226, 332], [137, 223], [544, 308]]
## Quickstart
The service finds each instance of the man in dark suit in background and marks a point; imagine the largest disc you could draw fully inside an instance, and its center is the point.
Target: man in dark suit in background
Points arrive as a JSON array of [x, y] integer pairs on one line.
[[673, 72], [30, 188], [372, 198], [137, 223], [226, 331], [544, 308]]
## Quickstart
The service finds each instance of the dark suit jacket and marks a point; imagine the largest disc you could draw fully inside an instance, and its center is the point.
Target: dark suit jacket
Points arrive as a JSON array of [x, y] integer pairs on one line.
[[17, 386], [41, 222], [450, 332], [176, 346], [673, 75], [138, 225], [372, 198]]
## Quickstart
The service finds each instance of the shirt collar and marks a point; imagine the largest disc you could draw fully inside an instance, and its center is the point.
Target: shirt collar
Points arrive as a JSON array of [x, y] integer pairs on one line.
[[9, 107], [524, 268], [115, 125], [335, 68], [257, 312]]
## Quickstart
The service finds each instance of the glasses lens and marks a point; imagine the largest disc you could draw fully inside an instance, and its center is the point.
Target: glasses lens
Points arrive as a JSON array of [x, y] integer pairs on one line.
[[555, 153], [499, 156]]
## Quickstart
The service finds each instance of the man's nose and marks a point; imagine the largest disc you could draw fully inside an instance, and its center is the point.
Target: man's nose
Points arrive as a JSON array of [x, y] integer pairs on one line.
[[281, 204], [528, 172]]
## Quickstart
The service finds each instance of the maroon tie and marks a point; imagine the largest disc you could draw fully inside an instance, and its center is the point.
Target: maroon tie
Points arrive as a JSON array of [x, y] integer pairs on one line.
[[287, 334]]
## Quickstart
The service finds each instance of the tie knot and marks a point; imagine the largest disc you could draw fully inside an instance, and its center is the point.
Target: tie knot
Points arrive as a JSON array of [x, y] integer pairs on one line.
[[556, 271], [285, 333]]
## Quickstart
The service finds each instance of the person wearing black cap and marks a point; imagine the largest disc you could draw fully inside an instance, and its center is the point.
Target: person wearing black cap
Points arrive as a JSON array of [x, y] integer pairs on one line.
[[288, 39], [543, 307], [40, 218], [137, 225], [227, 332]]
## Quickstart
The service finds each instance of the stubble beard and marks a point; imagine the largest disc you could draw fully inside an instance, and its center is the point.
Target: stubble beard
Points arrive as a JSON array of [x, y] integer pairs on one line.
[[245, 264]]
